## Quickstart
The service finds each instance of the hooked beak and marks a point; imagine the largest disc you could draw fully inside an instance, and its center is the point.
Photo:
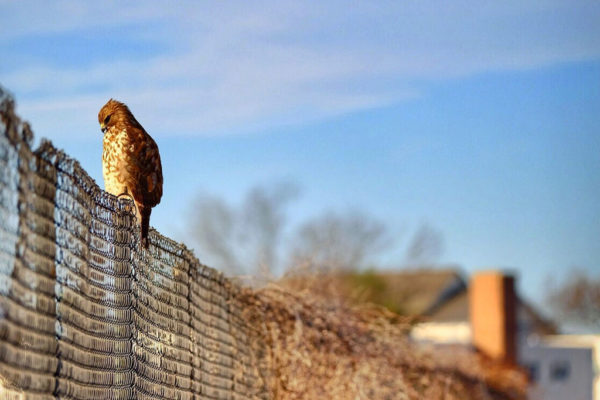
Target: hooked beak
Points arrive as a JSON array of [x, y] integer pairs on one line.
[[103, 128]]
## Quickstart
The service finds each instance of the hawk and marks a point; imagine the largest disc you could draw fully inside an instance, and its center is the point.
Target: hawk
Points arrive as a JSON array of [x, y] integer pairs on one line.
[[130, 161]]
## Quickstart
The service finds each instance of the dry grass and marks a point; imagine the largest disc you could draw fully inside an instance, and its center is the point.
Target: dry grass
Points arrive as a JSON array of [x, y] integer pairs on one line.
[[313, 345]]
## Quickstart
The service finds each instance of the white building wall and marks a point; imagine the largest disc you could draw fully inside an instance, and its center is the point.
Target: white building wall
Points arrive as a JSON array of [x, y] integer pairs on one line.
[[560, 373], [545, 356], [442, 332]]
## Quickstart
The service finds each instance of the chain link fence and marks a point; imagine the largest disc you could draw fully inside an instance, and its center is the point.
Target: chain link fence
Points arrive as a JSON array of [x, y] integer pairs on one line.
[[86, 313]]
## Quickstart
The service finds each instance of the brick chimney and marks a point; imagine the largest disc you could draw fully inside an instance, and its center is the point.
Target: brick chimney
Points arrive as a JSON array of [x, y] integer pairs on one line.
[[492, 307]]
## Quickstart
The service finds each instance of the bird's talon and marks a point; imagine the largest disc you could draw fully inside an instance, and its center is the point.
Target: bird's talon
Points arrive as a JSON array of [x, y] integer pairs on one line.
[[125, 194]]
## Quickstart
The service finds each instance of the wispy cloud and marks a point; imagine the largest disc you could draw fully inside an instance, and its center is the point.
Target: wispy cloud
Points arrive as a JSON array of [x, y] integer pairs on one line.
[[246, 66]]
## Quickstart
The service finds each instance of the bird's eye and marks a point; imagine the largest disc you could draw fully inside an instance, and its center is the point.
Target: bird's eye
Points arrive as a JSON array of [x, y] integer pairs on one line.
[[106, 120]]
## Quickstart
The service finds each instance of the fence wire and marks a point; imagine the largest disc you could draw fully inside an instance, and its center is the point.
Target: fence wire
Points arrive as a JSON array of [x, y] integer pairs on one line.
[[85, 313]]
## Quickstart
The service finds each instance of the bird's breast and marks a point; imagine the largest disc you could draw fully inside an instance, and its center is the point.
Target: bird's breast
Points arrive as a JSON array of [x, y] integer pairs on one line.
[[118, 162]]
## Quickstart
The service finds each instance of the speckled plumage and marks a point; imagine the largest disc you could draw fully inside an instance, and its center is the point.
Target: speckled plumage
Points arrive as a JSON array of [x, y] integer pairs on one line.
[[130, 161]]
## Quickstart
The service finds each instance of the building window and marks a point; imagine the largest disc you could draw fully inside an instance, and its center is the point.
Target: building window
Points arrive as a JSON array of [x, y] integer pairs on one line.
[[533, 370], [560, 370]]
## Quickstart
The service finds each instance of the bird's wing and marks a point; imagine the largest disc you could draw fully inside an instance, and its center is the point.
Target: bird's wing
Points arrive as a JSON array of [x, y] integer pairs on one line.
[[148, 189], [151, 168]]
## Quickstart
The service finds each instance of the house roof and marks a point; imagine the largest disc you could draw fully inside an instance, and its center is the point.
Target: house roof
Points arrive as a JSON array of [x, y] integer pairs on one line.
[[453, 310], [414, 292], [441, 295]]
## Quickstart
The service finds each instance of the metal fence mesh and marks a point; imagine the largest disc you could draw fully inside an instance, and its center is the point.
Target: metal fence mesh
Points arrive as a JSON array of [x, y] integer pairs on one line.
[[85, 313]]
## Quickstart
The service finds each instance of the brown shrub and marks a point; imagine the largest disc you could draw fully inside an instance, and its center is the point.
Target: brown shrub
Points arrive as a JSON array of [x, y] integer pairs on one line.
[[312, 345]]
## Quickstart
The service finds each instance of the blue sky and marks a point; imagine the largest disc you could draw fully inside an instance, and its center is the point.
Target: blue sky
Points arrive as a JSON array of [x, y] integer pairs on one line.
[[479, 118]]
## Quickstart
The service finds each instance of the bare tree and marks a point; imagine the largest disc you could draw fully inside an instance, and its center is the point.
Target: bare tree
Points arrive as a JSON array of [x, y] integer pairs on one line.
[[214, 231], [338, 241], [249, 237], [244, 238], [577, 299], [264, 220], [425, 247]]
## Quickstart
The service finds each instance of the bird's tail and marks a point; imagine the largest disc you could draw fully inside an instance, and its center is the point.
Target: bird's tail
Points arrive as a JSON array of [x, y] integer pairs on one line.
[[145, 214]]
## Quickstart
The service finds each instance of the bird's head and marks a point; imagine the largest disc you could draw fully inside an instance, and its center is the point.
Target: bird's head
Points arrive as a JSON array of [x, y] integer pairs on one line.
[[111, 113]]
